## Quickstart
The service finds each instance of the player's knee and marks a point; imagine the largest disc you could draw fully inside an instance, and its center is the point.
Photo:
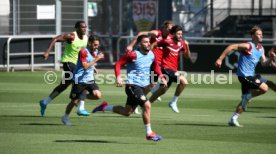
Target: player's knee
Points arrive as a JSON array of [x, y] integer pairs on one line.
[[183, 81], [264, 87], [147, 106], [97, 94]]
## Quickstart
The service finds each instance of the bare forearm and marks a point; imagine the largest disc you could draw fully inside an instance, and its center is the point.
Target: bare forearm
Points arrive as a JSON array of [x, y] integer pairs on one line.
[[87, 65], [229, 49]]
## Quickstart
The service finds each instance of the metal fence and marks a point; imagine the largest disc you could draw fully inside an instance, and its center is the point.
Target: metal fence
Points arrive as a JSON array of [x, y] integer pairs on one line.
[[113, 20]]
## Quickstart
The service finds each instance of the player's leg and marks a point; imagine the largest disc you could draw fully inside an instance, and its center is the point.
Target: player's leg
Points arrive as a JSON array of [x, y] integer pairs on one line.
[[146, 91], [91, 92], [251, 87], [126, 110], [65, 118], [271, 85], [155, 85], [245, 88], [254, 86], [162, 90], [150, 135], [75, 96], [122, 110], [154, 79], [179, 88], [66, 81]]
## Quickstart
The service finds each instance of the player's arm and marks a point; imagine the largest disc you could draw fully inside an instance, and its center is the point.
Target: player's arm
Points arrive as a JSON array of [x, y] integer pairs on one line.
[[245, 47], [163, 43], [152, 33], [60, 38], [85, 64], [127, 57], [153, 45], [268, 61], [158, 71], [187, 52], [95, 70]]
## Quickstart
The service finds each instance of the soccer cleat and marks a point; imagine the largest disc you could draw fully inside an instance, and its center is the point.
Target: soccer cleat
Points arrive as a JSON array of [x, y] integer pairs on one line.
[[159, 99], [83, 113], [42, 107], [234, 123], [136, 111], [100, 107], [153, 137], [173, 106], [66, 121]]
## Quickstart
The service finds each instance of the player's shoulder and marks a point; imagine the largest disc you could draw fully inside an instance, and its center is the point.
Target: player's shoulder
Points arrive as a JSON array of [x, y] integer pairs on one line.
[[69, 36], [130, 55], [83, 51]]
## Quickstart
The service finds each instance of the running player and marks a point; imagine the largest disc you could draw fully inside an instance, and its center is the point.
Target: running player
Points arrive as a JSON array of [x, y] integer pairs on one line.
[[74, 42], [138, 84], [84, 77], [171, 51], [252, 84]]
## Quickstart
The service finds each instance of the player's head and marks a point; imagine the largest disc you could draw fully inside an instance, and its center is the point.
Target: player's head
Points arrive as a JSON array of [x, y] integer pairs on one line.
[[256, 34], [80, 27], [143, 42], [166, 27], [177, 32], [93, 42]]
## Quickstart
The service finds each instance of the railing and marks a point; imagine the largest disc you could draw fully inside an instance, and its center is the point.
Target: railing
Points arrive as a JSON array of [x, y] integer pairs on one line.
[[201, 41], [205, 40], [31, 53]]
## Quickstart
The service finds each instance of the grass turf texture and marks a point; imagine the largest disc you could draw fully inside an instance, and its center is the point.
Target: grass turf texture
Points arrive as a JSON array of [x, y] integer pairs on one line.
[[200, 127]]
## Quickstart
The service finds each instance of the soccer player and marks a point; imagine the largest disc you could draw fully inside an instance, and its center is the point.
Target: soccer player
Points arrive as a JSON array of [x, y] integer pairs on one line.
[[171, 51], [252, 84], [74, 42], [137, 85], [155, 36], [83, 77]]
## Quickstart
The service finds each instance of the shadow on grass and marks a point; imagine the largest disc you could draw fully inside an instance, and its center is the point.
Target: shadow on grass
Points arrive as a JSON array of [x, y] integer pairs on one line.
[[205, 125], [42, 124], [263, 107], [21, 116], [270, 117], [85, 141], [248, 110], [101, 141], [120, 116]]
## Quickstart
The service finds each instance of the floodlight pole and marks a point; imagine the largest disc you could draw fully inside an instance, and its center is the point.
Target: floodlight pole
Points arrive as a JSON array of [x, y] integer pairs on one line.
[[58, 32], [85, 14]]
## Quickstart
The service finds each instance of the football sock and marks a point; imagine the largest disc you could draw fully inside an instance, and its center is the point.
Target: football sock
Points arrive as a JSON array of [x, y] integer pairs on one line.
[[66, 116], [47, 100], [248, 96], [174, 100], [81, 105], [235, 116], [108, 108], [155, 88], [148, 129]]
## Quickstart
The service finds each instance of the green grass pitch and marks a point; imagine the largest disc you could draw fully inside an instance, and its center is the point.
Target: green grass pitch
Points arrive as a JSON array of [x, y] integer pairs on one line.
[[200, 127]]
